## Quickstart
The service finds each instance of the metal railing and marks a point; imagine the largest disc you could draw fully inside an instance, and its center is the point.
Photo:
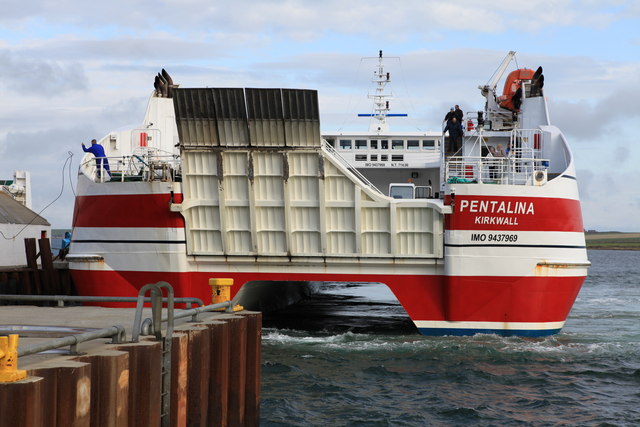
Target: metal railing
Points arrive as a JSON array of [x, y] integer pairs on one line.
[[148, 165], [117, 333], [516, 169], [61, 299], [334, 154]]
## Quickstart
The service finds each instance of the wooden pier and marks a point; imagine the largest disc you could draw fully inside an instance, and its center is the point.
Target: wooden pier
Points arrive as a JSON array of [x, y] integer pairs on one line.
[[215, 372], [48, 277]]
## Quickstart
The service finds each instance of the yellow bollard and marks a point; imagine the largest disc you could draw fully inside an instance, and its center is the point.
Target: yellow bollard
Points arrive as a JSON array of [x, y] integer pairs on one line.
[[9, 360], [221, 292]]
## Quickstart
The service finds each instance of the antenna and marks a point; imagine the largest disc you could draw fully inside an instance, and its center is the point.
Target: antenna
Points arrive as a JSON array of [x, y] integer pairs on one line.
[[381, 99]]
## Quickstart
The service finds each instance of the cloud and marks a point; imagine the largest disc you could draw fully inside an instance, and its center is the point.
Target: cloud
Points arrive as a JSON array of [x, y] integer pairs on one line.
[[42, 78], [304, 21], [593, 119], [599, 191]]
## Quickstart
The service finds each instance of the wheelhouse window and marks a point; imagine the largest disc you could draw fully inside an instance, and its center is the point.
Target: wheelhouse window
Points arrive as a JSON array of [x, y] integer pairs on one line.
[[401, 192], [384, 144], [413, 144], [374, 144], [361, 144], [345, 144], [428, 144], [397, 144]]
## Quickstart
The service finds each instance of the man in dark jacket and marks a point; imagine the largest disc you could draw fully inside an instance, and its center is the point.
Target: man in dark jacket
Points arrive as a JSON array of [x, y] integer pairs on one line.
[[459, 114], [101, 159], [455, 135], [451, 114]]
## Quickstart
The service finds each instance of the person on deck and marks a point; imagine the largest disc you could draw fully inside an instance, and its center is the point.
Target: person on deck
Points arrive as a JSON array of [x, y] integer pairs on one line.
[[451, 114], [458, 113], [101, 159], [455, 135]]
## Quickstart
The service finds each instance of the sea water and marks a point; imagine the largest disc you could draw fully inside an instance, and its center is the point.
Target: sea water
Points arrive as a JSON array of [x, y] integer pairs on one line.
[[351, 357]]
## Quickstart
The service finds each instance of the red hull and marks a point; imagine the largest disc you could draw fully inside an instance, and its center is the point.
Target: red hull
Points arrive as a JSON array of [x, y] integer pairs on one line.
[[478, 299]]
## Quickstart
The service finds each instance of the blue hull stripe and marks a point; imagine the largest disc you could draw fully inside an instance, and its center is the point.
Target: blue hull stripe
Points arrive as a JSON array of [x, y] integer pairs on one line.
[[501, 332]]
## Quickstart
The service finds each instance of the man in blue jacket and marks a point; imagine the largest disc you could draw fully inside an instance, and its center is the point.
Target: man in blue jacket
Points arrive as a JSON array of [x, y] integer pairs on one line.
[[101, 159]]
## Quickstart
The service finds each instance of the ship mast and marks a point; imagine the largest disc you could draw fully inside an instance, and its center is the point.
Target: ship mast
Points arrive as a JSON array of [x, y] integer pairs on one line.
[[380, 100]]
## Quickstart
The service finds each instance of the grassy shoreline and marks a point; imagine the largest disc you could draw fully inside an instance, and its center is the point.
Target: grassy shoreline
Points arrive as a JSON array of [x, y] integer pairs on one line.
[[613, 240]]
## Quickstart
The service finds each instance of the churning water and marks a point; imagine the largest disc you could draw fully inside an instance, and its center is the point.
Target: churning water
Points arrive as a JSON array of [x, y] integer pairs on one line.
[[350, 356]]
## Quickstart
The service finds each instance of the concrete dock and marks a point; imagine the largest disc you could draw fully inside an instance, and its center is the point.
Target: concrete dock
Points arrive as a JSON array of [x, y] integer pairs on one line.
[[214, 371]]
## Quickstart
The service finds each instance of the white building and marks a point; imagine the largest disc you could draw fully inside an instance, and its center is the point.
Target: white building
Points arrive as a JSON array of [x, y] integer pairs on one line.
[[18, 222]]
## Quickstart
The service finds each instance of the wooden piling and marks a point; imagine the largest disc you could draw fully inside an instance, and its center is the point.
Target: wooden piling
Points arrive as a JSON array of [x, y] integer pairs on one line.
[[145, 382], [67, 386], [110, 388], [218, 414], [50, 282], [198, 372], [21, 403], [237, 370], [35, 287], [179, 378], [254, 364]]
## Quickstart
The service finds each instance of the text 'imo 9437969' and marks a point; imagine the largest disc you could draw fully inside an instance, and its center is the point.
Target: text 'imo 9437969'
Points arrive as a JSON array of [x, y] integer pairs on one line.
[[475, 229]]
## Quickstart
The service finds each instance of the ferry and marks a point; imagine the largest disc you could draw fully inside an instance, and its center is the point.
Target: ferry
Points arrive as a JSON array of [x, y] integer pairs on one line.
[[479, 234]]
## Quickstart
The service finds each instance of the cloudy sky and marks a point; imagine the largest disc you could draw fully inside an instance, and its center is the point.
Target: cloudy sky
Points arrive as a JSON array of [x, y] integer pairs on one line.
[[74, 70]]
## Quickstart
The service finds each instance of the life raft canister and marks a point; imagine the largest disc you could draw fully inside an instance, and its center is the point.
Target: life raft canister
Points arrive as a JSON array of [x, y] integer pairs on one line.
[[470, 125], [512, 84]]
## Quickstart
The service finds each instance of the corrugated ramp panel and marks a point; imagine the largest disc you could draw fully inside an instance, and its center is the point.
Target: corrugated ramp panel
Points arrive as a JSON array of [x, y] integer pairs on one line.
[[237, 213], [211, 117], [376, 233], [264, 110], [195, 117], [231, 114], [268, 190], [201, 205], [301, 117], [414, 230], [303, 190], [340, 212]]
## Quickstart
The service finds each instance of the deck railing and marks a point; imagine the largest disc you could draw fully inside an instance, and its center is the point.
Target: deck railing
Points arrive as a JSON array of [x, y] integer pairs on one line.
[[519, 168], [136, 167]]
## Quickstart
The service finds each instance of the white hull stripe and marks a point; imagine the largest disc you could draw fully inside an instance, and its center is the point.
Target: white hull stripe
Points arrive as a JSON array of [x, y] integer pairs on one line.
[[529, 326]]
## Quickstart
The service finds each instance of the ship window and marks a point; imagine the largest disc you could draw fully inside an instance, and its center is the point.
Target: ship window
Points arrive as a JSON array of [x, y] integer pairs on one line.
[[361, 157], [374, 157], [401, 192], [384, 157], [423, 192], [397, 158], [345, 144], [331, 142], [361, 144], [384, 144], [374, 144], [397, 144], [428, 144], [413, 144]]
